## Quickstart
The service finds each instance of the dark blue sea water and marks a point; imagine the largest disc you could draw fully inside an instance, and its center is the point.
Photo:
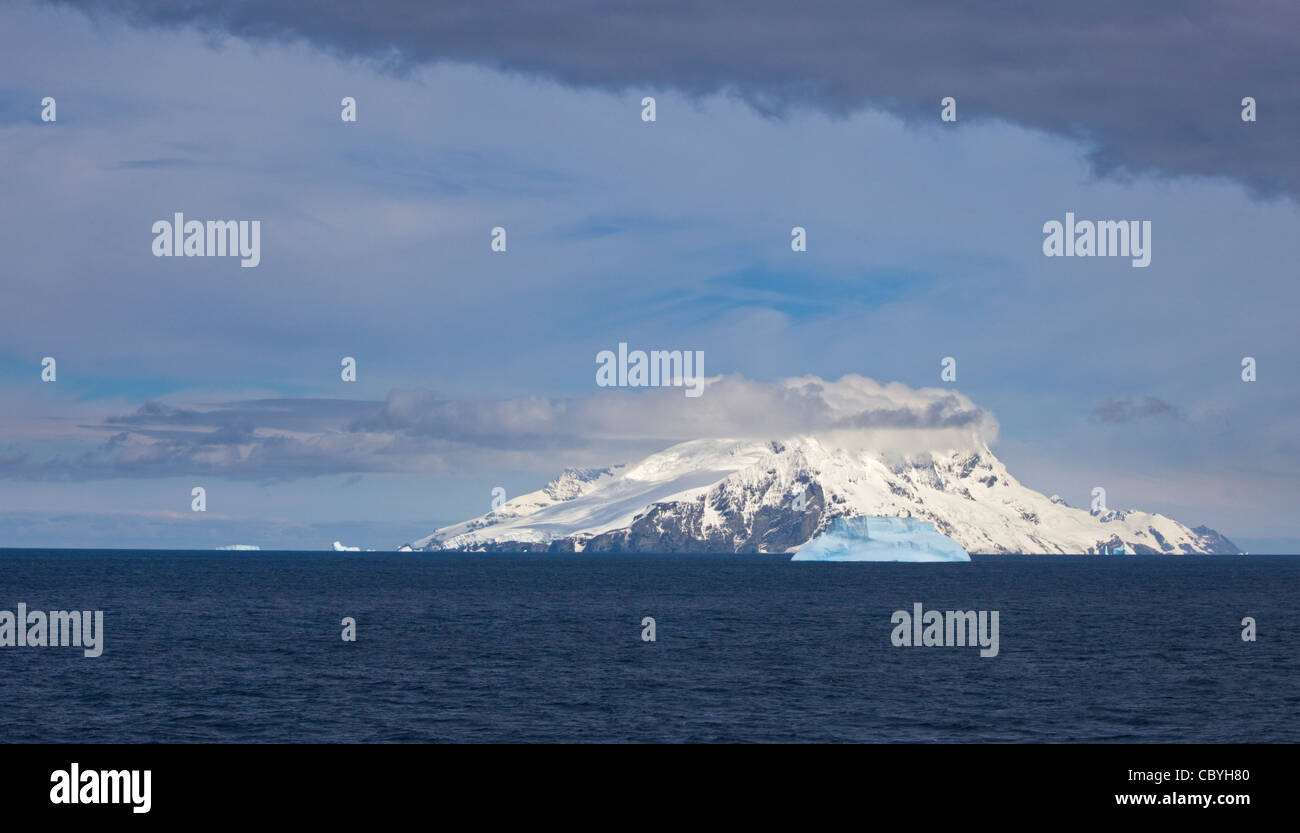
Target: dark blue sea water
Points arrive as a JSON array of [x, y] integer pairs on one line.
[[246, 647]]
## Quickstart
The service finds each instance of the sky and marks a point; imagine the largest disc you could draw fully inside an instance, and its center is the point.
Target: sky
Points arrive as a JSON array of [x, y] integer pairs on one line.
[[476, 369]]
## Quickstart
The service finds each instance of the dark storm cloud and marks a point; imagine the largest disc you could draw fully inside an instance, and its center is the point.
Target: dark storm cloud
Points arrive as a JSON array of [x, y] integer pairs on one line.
[[1151, 86]]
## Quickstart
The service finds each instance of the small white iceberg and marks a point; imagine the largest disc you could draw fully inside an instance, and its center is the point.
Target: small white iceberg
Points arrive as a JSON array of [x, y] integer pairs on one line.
[[879, 538], [338, 547], [240, 547]]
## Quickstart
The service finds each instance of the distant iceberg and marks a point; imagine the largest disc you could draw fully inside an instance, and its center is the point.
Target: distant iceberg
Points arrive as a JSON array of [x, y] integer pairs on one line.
[[241, 547], [878, 538], [339, 547]]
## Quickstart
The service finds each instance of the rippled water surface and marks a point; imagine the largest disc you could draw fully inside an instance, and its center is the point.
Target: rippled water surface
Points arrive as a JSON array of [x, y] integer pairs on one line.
[[246, 647]]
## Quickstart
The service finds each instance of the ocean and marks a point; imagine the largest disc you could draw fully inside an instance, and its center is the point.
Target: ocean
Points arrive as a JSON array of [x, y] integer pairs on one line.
[[246, 647]]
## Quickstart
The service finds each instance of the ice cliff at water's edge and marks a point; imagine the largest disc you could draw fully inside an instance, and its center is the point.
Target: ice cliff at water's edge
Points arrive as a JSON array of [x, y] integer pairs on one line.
[[876, 538]]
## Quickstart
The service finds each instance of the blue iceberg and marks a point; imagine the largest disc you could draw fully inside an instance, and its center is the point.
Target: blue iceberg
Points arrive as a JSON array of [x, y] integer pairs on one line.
[[878, 538]]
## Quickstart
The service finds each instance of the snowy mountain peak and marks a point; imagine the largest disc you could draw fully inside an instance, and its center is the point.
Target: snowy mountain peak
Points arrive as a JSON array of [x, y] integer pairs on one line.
[[753, 496]]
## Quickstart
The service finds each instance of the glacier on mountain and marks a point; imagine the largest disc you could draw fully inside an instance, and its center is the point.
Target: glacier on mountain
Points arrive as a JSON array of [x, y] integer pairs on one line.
[[876, 538]]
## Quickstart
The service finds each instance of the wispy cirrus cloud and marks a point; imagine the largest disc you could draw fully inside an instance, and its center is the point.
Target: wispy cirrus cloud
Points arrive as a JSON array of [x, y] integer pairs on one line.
[[1118, 411]]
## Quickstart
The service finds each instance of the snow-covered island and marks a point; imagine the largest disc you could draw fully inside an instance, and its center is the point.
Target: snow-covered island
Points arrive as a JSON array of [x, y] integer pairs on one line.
[[740, 496]]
